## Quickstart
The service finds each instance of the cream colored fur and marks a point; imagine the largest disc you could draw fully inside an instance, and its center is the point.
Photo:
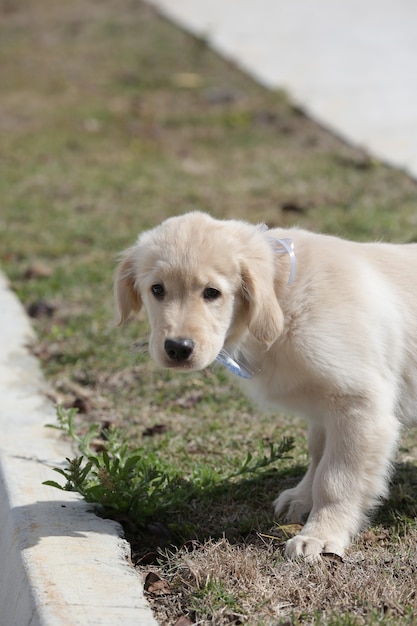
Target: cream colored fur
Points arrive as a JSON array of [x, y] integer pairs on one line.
[[338, 346]]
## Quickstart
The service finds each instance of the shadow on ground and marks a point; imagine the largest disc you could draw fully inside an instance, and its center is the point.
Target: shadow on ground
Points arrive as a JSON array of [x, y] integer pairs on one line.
[[401, 504], [242, 511]]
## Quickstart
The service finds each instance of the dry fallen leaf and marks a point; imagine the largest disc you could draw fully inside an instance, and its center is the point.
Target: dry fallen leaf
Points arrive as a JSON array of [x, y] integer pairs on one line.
[[46, 351], [98, 445], [38, 270], [183, 621], [156, 585], [150, 558], [187, 80], [332, 556], [293, 207], [191, 545], [158, 429], [370, 537], [190, 401], [283, 531], [83, 405], [41, 308]]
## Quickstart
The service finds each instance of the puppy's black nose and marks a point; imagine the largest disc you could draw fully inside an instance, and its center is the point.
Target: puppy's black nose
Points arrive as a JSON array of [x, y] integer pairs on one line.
[[179, 349]]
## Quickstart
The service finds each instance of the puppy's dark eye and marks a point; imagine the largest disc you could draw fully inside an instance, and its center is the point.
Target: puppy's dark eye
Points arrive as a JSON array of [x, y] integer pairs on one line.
[[210, 293], [158, 290]]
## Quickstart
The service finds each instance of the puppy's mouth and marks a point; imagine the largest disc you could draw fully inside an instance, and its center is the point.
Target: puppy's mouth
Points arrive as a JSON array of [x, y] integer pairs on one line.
[[180, 367]]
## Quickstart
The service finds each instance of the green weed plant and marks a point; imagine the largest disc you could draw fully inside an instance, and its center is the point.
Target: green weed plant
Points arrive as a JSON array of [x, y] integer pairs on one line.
[[140, 484]]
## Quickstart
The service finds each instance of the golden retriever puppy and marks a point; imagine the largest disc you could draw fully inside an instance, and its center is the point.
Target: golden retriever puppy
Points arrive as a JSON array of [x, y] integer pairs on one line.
[[313, 324]]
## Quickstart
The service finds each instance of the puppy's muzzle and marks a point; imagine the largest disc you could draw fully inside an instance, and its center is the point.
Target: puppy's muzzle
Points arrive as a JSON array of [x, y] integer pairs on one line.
[[179, 350]]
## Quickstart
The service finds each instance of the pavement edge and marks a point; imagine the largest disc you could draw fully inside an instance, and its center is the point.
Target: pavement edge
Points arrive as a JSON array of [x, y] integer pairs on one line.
[[62, 564]]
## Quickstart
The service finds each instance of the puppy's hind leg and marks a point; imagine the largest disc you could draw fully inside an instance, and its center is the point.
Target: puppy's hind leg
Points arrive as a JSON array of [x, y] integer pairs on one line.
[[295, 504]]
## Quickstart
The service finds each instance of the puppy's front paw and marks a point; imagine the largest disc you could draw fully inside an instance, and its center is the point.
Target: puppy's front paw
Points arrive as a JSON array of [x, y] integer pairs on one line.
[[311, 548], [292, 505]]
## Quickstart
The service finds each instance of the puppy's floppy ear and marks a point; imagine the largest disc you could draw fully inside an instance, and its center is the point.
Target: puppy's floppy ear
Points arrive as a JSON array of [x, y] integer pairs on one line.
[[126, 294], [266, 319]]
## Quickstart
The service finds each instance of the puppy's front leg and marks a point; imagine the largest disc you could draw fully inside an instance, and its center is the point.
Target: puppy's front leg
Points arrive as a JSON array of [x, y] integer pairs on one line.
[[352, 475]]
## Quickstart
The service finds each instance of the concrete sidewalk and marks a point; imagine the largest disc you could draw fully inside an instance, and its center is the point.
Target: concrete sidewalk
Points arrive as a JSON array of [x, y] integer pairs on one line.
[[351, 65], [61, 565]]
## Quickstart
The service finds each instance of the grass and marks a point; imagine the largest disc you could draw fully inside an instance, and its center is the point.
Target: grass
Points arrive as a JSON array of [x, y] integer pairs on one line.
[[112, 120]]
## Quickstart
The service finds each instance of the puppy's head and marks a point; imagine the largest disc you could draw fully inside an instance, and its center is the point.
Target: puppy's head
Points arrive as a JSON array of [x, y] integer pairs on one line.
[[204, 283]]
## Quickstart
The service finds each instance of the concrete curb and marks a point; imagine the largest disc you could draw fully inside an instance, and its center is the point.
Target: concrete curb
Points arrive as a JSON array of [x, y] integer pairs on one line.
[[61, 564]]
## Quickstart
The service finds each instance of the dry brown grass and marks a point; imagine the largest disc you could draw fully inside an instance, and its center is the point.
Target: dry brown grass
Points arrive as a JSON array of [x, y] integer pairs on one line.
[[221, 583]]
